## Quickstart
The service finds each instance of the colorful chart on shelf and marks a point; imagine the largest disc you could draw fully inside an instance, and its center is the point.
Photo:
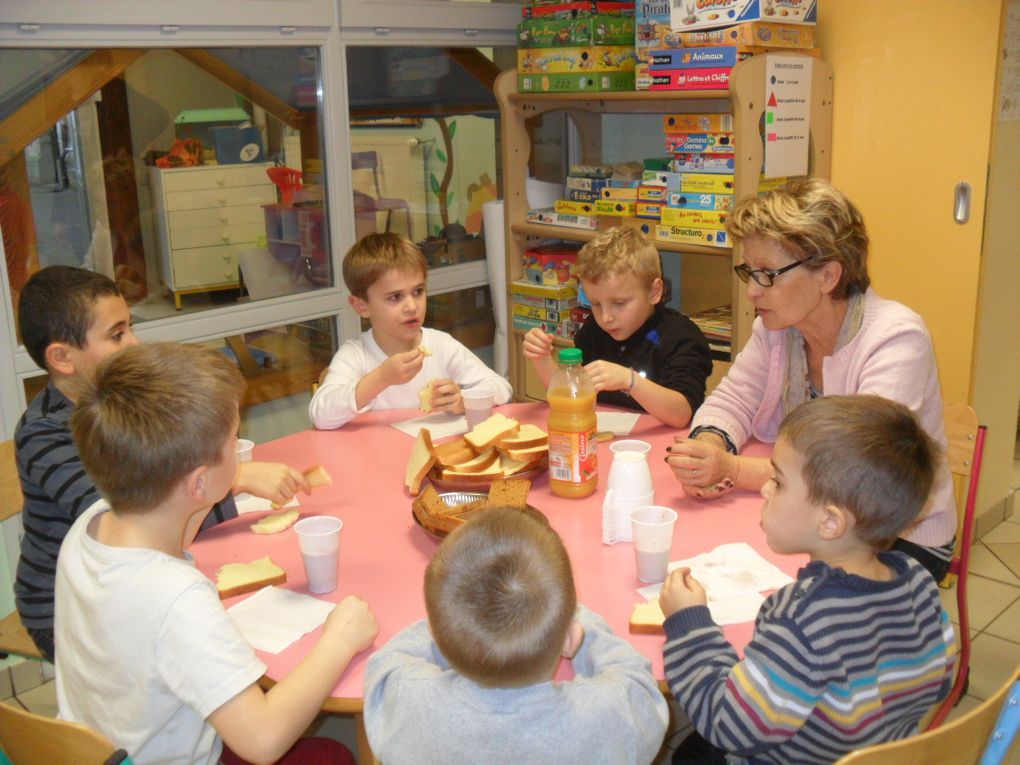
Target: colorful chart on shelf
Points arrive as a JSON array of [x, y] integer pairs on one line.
[[787, 115]]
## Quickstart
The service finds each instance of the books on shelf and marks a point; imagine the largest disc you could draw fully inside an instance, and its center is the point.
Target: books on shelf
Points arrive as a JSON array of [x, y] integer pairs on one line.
[[716, 325]]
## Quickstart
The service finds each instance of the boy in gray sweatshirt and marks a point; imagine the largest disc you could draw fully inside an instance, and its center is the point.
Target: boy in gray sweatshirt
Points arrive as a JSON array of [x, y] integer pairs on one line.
[[474, 683]]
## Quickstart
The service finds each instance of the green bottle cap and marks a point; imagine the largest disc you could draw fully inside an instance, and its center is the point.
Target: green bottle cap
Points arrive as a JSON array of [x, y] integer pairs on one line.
[[570, 356]]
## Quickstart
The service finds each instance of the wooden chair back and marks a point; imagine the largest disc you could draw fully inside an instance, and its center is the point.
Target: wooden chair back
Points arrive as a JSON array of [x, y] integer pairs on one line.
[[31, 739], [960, 742], [13, 637], [961, 423]]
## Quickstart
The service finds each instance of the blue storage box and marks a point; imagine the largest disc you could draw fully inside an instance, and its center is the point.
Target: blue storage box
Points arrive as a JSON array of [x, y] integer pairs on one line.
[[238, 145]]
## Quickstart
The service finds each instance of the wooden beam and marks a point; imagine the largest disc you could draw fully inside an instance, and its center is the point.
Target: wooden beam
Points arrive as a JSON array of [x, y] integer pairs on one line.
[[476, 63], [242, 85], [66, 92], [18, 225]]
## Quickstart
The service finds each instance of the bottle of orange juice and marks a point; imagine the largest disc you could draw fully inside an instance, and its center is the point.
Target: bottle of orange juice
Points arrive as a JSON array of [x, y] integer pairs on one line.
[[573, 455]]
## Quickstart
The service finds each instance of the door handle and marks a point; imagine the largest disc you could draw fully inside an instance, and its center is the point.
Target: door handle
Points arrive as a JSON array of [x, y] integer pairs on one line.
[[961, 203]]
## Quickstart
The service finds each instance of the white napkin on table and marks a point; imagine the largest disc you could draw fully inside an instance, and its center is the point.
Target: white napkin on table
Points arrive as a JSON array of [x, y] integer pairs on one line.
[[620, 423], [733, 576], [440, 425], [273, 618], [249, 503]]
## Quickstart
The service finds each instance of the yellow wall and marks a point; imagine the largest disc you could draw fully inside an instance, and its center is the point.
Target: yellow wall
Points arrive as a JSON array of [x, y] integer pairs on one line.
[[914, 94]]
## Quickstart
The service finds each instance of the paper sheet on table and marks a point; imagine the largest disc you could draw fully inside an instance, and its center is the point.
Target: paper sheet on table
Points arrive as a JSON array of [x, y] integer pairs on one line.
[[440, 424], [248, 503], [620, 423], [272, 618], [733, 576]]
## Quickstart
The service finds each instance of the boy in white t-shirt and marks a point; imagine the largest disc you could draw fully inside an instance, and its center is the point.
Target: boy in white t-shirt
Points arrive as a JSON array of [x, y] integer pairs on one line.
[[148, 655], [398, 363]]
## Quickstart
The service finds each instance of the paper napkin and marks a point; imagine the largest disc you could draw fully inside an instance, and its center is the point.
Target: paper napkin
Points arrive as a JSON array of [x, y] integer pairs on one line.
[[440, 425], [620, 423], [273, 618], [247, 503]]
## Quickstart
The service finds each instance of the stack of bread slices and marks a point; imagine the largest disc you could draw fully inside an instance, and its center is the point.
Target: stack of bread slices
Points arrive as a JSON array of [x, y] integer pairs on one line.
[[499, 447], [439, 518]]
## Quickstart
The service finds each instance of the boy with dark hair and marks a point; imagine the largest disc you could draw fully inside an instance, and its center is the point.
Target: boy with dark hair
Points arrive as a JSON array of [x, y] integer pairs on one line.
[[475, 682], [858, 649], [70, 320], [148, 655], [639, 353], [397, 363]]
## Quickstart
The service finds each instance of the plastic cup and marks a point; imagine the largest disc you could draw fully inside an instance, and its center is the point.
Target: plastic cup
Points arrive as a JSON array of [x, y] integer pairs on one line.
[[244, 449], [630, 475], [319, 540], [630, 445], [653, 540], [477, 406]]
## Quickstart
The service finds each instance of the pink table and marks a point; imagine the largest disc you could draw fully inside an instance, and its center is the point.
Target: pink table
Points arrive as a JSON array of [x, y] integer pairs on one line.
[[383, 552]]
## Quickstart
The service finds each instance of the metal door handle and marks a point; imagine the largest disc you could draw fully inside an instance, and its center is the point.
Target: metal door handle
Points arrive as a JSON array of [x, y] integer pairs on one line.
[[961, 203]]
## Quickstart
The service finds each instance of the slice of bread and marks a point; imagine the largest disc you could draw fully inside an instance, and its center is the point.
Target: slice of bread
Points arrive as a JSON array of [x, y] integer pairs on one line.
[[316, 475], [425, 397], [528, 436], [533, 454], [454, 475], [510, 493], [647, 619], [454, 452], [239, 578], [490, 431], [421, 461], [479, 464], [274, 523]]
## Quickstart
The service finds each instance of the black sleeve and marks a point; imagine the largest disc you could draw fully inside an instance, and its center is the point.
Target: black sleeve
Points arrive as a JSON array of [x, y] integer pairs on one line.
[[585, 340], [685, 361]]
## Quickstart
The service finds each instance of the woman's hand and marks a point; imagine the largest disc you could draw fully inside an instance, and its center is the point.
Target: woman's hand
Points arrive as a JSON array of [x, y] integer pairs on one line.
[[704, 469]]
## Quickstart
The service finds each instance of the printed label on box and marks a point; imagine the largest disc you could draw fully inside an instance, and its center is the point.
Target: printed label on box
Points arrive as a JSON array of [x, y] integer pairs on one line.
[[691, 143], [687, 235], [712, 184], [675, 216], [697, 123], [614, 207], [702, 163], [754, 33], [691, 79], [574, 208], [722, 13], [693, 58], [684, 201]]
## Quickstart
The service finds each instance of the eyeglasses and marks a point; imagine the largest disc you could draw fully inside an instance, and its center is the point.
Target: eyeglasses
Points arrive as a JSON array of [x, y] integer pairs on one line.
[[764, 277]]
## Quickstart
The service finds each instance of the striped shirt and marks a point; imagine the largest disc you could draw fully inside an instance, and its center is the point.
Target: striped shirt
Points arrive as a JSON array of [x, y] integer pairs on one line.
[[56, 491], [837, 662]]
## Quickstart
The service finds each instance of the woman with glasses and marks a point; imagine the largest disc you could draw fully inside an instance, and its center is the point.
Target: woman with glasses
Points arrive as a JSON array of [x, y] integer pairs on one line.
[[820, 330]]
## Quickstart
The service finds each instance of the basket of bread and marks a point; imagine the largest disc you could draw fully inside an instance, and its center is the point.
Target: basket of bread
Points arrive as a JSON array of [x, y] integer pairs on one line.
[[439, 514], [496, 448]]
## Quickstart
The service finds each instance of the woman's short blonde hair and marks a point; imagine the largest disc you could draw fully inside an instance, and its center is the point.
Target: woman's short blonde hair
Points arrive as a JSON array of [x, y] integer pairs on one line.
[[814, 222], [620, 250]]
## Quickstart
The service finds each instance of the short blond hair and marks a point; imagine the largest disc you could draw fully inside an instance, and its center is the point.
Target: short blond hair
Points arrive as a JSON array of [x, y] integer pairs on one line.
[[868, 455], [620, 250], [376, 254], [500, 598], [150, 415], [814, 222]]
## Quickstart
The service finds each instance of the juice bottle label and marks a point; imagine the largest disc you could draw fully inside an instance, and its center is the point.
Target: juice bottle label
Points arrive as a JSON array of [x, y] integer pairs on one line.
[[572, 456]]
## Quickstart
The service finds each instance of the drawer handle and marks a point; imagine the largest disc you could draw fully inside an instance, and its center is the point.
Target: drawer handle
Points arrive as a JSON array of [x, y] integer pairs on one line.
[[223, 217], [221, 199], [225, 236], [226, 256], [220, 181]]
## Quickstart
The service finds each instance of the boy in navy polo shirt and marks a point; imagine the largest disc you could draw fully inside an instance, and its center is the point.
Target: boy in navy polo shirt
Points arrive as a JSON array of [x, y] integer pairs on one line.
[[640, 354]]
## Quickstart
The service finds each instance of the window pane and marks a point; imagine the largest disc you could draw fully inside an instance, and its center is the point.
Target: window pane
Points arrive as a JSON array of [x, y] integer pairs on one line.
[[192, 177], [280, 366], [426, 156]]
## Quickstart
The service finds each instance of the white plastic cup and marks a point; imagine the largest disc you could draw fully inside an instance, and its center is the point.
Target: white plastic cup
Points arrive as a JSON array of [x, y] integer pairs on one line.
[[244, 449], [653, 540], [630, 445], [477, 406], [319, 540], [630, 475]]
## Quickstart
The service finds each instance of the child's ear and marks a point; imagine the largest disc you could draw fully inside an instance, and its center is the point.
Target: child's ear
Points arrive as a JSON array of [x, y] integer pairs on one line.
[[59, 358], [835, 522], [360, 306], [655, 294], [572, 642], [194, 484]]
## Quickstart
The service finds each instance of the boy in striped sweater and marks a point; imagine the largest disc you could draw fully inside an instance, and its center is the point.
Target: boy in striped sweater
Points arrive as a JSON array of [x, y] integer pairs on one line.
[[858, 649]]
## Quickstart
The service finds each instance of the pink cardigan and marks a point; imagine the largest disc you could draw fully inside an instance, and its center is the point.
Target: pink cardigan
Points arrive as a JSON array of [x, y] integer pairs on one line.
[[890, 356]]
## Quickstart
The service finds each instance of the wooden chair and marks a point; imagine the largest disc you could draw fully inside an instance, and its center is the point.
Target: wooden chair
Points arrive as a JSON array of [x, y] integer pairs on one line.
[[965, 440], [960, 742], [369, 160], [31, 739], [13, 637]]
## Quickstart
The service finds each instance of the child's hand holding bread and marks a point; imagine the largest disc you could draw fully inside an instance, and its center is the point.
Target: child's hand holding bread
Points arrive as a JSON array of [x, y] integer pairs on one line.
[[443, 396], [680, 591], [270, 480]]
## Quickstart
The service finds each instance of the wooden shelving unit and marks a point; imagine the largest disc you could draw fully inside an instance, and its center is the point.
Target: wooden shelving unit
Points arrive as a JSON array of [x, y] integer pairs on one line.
[[708, 280]]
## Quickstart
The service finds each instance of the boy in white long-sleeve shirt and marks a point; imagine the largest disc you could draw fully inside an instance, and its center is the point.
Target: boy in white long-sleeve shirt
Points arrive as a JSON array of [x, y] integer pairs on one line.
[[398, 363], [475, 682]]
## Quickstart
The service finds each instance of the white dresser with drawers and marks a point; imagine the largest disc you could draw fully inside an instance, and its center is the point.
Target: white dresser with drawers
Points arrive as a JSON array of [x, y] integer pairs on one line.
[[204, 216]]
